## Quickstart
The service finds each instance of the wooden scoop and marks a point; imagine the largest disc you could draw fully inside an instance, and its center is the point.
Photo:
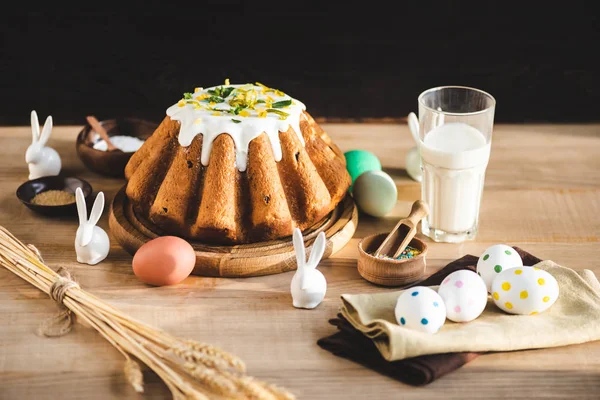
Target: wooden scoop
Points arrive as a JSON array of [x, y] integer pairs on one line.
[[404, 231], [96, 126]]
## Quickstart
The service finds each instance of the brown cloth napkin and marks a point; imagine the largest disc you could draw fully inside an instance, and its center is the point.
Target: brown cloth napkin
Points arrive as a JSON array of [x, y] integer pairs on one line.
[[353, 345]]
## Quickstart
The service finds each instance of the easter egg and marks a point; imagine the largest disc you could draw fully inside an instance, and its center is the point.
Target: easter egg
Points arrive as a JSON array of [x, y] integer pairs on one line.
[[375, 193], [465, 295], [420, 308], [496, 259], [524, 290], [359, 161], [166, 260]]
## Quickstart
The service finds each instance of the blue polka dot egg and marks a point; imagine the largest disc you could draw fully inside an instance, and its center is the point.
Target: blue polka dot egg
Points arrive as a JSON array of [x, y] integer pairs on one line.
[[422, 309]]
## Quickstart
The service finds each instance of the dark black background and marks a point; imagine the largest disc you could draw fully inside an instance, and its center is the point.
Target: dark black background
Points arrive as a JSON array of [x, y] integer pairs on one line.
[[346, 61]]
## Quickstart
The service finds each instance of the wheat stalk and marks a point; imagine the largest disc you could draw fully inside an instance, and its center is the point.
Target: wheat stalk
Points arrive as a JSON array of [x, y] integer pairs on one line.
[[190, 369]]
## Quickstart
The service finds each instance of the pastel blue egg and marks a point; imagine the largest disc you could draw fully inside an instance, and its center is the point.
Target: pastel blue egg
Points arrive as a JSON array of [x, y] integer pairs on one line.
[[375, 193]]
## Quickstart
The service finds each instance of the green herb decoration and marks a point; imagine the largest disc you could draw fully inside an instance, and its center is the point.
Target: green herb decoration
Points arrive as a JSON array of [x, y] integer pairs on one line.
[[237, 109], [278, 112], [222, 92], [187, 96], [282, 103], [214, 99], [232, 111], [259, 101], [237, 121], [227, 91]]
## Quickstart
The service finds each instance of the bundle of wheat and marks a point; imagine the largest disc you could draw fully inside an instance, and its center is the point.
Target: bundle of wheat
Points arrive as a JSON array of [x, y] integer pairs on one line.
[[190, 369]]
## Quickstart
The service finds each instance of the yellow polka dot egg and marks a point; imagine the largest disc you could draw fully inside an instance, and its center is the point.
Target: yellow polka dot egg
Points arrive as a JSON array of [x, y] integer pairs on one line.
[[524, 290]]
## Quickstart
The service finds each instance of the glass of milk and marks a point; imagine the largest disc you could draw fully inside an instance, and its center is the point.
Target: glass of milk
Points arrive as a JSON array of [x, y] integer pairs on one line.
[[455, 132]]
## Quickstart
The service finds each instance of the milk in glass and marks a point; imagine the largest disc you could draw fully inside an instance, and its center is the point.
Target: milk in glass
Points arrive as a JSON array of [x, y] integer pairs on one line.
[[454, 157]]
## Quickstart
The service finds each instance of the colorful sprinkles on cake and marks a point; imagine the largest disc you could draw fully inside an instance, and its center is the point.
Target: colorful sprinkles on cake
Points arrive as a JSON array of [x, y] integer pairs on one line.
[[242, 111]]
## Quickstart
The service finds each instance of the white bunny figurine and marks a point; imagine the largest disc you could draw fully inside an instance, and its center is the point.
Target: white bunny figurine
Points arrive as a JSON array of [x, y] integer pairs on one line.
[[308, 284], [42, 160], [91, 242]]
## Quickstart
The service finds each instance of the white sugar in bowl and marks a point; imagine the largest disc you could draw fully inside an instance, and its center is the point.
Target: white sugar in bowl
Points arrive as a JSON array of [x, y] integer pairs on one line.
[[524, 290], [496, 259], [420, 308], [465, 295]]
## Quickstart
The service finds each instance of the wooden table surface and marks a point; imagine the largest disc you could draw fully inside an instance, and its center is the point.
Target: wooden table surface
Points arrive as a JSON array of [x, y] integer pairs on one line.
[[542, 193]]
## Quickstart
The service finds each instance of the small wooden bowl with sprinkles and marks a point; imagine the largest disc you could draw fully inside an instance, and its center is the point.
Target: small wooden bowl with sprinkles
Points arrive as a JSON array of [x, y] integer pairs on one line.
[[385, 271], [53, 195], [93, 152]]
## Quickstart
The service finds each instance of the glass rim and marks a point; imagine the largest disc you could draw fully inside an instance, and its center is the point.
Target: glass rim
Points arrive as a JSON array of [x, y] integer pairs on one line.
[[437, 88]]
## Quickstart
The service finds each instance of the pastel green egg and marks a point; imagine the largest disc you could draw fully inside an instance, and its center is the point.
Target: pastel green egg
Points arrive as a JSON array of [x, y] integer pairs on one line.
[[359, 161], [375, 193]]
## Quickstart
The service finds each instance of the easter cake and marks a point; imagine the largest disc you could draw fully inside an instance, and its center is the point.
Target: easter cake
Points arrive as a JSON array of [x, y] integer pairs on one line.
[[236, 164]]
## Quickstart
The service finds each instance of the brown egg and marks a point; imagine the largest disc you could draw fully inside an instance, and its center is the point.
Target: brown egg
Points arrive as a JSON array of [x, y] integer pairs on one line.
[[166, 260]]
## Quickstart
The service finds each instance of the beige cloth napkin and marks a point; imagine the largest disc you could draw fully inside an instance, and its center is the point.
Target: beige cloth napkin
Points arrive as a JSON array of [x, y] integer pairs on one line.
[[574, 318]]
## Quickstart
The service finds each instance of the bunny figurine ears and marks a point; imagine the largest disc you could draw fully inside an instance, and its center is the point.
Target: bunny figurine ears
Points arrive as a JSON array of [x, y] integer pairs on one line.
[[42, 160], [91, 241], [308, 285]]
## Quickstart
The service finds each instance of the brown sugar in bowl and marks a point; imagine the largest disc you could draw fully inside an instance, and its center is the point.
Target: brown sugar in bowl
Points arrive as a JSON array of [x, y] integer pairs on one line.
[[388, 271], [28, 190], [111, 163]]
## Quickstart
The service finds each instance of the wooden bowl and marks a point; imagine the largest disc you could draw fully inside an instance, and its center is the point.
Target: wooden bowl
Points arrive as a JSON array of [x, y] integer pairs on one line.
[[387, 271], [111, 163], [28, 190]]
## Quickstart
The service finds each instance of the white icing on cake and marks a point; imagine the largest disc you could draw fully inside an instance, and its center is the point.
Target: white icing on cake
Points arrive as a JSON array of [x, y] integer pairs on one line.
[[257, 112]]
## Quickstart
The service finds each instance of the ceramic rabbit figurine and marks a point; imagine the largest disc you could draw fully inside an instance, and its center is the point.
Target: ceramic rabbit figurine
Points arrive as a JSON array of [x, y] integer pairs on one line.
[[42, 160], [413, 157], [308, 284], [91, 242]]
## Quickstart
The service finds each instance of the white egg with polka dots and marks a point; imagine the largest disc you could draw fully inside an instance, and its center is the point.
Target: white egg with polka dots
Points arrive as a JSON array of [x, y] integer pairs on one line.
[[496, 259], [465, 295], [422, 309], [524, 290]]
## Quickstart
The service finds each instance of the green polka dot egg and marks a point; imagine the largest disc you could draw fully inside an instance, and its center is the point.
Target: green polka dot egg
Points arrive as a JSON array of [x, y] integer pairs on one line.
[[524, 290], [496, 259]]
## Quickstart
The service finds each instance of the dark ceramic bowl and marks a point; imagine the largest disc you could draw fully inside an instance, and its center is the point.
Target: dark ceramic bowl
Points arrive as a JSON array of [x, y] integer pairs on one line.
[[111, 163], [28, 190]]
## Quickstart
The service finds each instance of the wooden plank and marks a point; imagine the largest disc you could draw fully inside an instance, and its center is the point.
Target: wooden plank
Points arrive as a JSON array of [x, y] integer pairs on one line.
[[522, 157], [543, 207], [542, 215]]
